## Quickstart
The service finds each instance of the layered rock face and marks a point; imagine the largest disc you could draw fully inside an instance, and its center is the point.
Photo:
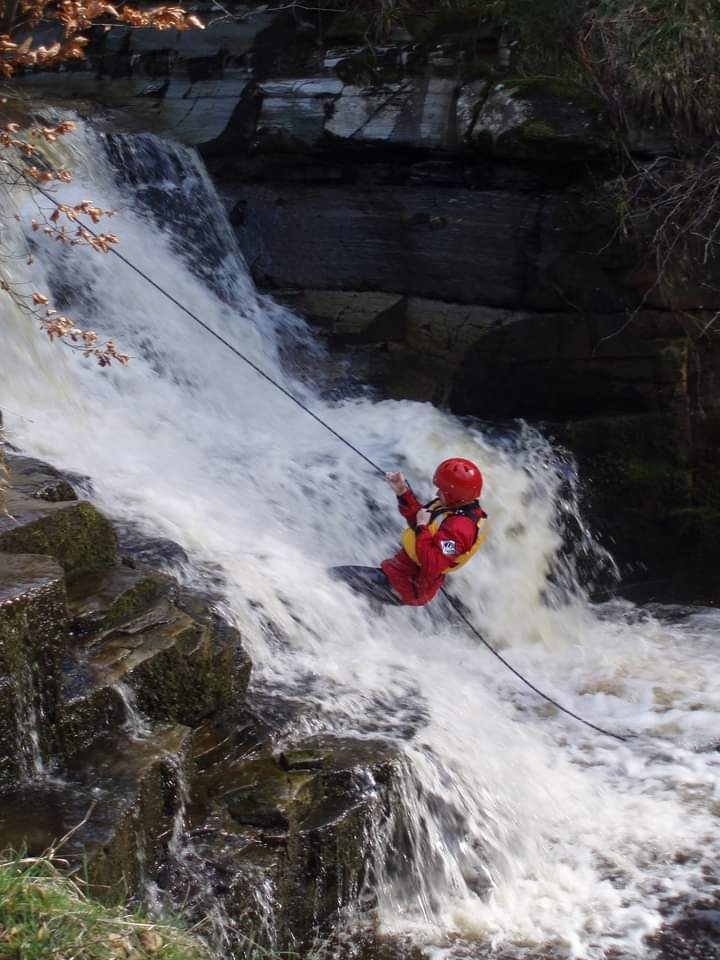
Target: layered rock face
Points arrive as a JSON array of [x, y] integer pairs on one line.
[[449, 222], [126, 736]]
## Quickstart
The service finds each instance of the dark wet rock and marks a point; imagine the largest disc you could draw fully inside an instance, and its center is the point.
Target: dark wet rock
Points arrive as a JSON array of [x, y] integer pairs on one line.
[[307, 813], [180, 669], [367, 944], [138, 547], [101, 599], [32, 642], [119, 799], [549, 364], [221, 740], [695, 935], [33, 478], [391, 240]]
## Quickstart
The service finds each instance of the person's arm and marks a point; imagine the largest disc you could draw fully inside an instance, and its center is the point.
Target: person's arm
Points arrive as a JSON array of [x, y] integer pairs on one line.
[[408, 504]]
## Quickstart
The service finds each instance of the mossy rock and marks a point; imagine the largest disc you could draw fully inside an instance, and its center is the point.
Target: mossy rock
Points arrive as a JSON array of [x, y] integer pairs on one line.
[[315, 805], [538, 130], [104, 598], [204, 672], [77, 535]]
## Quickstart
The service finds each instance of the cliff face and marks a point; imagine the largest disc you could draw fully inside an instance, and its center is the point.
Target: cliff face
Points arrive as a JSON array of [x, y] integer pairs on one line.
[[451, 224]]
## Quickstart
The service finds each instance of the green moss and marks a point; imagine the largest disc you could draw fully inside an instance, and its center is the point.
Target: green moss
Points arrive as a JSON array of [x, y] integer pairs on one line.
[[43, 914], [141, 596], [190, 681], [538, 130], [77, 536]]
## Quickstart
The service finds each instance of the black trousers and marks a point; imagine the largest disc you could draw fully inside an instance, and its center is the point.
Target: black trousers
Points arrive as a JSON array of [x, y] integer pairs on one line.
[[369, 581]]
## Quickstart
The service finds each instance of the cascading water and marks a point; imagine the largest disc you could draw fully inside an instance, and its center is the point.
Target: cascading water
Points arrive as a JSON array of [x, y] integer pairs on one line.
[[523, 827]]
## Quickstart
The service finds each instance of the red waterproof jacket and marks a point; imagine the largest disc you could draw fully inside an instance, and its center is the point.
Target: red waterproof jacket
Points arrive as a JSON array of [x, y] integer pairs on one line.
[[416, 584]]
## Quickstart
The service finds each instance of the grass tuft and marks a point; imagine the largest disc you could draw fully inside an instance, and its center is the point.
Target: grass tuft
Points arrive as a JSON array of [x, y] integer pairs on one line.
[[44, 914]]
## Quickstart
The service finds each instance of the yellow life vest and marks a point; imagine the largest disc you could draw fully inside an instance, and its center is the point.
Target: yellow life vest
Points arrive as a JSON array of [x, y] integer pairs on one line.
[[439, 513]]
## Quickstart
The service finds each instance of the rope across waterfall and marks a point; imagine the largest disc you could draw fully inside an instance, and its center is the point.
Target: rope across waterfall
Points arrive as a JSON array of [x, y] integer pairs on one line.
[[278, 386]]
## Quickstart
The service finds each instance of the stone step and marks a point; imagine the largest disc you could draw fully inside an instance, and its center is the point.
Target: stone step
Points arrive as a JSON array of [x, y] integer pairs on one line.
[[179, 668], [115, 807], [32, 643], [74, 533], [101, 599]]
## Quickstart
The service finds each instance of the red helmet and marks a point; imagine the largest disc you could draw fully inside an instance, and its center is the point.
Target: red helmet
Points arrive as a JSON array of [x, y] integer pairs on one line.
[[459, 481]]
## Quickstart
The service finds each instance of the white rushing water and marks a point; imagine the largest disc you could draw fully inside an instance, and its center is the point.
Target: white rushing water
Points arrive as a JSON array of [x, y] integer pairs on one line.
[[528, 828]]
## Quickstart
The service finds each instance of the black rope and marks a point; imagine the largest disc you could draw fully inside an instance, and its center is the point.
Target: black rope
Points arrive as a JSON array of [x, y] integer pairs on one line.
[[342, 439], [249, 362], [214, 333], [453, 603]]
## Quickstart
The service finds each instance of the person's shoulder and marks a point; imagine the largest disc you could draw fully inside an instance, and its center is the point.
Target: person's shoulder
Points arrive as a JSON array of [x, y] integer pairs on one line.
[[460, 525]]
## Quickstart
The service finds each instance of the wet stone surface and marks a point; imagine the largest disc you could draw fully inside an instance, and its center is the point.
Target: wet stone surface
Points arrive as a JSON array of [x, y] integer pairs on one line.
[[118, 799], [295, 824], [32, 642], [116, 683], [33, 478], [101, 599]]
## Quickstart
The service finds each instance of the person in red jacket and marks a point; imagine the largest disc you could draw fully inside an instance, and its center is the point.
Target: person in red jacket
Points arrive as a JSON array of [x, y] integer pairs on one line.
[[441, 536]]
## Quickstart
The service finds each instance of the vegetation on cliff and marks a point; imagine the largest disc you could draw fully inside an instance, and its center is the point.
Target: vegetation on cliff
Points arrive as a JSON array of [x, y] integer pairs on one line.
[[649, 65], [44, 914], [655, 57]]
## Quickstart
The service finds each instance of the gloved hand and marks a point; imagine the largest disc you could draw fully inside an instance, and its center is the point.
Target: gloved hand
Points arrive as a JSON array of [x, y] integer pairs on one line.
[[422, 517], [397, 482]]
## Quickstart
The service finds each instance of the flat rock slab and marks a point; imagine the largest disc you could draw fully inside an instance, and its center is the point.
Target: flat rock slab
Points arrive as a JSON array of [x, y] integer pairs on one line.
[[23, 577], [128, 647], [102, 599], [181, 665]]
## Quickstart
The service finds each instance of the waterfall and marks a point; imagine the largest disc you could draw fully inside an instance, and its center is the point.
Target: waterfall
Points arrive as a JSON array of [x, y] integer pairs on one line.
[[521, 826]]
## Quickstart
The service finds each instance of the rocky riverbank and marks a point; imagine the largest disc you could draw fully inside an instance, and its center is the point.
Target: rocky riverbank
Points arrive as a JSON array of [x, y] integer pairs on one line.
[[126, 731]]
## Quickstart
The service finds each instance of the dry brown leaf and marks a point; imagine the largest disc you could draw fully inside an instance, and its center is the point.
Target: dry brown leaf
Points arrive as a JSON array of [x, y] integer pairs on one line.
[[151, 941]]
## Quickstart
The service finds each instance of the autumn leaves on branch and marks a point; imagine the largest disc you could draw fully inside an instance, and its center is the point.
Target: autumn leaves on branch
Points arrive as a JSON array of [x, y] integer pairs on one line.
[[21, 160], [19, 20]]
